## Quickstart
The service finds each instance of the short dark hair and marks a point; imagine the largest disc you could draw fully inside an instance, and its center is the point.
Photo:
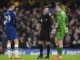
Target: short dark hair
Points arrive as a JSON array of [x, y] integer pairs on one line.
[[10, 4]]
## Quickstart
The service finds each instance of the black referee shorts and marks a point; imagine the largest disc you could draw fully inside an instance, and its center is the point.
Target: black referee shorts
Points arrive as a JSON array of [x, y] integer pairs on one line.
[[44, 35]]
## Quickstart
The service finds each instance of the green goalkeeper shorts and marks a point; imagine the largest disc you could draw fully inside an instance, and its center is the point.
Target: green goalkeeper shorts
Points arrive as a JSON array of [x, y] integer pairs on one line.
[[60, 35]]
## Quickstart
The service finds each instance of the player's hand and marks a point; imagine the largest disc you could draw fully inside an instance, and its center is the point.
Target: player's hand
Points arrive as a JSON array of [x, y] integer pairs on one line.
[[66, 28]]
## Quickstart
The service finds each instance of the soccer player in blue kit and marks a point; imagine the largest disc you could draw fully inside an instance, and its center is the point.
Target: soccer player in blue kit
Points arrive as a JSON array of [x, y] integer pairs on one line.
[[10, 30]]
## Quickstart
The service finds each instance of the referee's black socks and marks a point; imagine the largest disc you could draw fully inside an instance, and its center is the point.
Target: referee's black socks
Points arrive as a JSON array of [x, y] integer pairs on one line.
[[48, 50], [41, 49]]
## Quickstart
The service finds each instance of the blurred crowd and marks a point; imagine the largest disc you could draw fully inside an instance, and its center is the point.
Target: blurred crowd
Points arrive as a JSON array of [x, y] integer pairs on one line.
[[28, 28]]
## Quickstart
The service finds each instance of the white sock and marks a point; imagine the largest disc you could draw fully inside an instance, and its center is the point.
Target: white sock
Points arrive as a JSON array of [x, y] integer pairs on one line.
[[16, 50], [9, 52]]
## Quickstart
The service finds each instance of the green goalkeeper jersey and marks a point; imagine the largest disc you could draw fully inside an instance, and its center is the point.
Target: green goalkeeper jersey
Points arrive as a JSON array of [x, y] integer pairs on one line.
[[62, 21]]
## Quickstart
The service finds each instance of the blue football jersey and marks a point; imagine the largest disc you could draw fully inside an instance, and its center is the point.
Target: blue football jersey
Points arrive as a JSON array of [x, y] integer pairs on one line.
[[10, 18], [10, 23]]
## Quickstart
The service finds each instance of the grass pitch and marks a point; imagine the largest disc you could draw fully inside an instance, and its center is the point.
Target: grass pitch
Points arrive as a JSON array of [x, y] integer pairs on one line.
[[34, 57]]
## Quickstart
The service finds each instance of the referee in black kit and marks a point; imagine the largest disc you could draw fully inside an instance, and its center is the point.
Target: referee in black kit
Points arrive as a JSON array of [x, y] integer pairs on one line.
[[45, 22]]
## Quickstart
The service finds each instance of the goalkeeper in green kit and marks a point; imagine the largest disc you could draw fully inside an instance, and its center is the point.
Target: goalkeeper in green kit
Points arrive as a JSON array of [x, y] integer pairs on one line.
[[61, 29]]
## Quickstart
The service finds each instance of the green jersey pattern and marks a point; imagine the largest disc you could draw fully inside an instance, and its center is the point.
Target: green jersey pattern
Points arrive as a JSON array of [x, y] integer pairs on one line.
[[61, 21]]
